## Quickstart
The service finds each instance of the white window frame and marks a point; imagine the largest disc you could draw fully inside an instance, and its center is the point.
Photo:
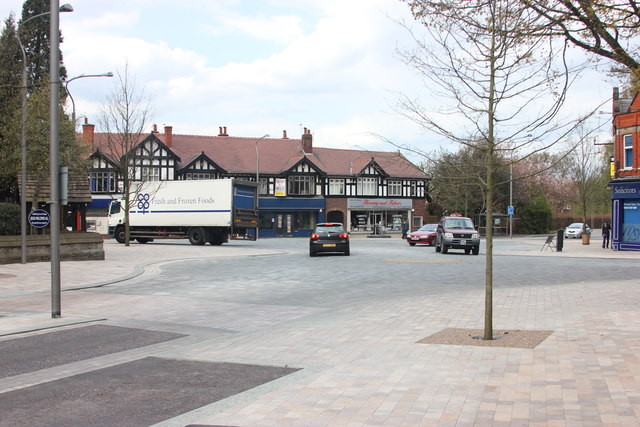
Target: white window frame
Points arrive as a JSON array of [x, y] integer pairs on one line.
[[627, 142], [394, 188], [301, 185], [149, 173], [367, 186], [336, 187], [263, 185]]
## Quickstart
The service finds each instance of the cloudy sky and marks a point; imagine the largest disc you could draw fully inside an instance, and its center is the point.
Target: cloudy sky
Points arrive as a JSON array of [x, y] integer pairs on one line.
[[259, 66]]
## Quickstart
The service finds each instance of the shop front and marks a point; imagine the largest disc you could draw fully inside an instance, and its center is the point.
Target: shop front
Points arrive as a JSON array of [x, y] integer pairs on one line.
[[625, 210], [289, 217], [378, 215]]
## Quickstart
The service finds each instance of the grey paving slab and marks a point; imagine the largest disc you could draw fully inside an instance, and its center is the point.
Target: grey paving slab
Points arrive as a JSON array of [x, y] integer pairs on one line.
[[35, 352], [137, 393]]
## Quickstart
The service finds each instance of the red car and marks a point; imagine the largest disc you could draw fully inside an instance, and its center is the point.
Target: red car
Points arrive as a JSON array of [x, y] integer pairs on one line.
[[425, 235]]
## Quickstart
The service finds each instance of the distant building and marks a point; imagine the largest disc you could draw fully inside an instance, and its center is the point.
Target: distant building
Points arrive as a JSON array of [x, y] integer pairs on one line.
[[299, 184], [625, 182]]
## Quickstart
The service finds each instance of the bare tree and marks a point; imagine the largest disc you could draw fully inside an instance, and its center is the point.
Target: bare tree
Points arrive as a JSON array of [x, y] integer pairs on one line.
[[585, 168], [499, 87], [606, 28], [124, 117]]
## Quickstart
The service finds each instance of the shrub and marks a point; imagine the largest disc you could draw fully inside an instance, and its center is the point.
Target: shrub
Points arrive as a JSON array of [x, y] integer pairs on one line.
[[534, 217], [9, 219]]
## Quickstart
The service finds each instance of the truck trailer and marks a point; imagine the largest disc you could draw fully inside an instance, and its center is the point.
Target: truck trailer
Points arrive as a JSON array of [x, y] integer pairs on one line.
[[208, 210]]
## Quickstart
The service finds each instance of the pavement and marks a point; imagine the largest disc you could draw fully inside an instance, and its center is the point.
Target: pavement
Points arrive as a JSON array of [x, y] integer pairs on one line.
[[366, 368]]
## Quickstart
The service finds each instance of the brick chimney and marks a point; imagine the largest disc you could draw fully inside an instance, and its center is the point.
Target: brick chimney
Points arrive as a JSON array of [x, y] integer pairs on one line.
[[168, 136], [307, 141], [88, 132]]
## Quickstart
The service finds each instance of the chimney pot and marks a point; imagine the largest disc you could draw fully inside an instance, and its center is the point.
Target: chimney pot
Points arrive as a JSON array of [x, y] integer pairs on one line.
[[168, 136], [225, 131], [284, 134], [88, 134], [307, 141], [155, 128]]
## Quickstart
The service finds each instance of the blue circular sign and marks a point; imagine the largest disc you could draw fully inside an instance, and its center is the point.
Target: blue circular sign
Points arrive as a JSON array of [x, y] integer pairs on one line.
[[39, 218]]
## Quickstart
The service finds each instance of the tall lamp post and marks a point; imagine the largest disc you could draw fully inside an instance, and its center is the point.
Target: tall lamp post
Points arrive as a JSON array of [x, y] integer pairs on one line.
[[54, 160], [66, 89], [258, 179], [23, 138]]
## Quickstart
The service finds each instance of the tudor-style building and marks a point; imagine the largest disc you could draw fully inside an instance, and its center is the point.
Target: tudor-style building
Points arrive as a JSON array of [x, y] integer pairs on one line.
[[625, 171], [299, 184]]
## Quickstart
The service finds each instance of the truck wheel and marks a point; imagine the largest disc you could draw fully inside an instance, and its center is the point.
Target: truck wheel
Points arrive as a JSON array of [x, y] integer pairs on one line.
[[119, 234], [476, 250], [467, 251], [143, 240], [445, 248], [196, 236], [437, 247]]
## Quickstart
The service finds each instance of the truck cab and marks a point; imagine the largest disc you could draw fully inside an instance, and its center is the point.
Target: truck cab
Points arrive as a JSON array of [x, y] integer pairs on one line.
[[457, 232]]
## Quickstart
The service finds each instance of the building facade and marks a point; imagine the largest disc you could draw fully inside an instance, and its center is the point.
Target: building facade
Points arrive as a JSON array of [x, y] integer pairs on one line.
[[625, 171], [299, 184]]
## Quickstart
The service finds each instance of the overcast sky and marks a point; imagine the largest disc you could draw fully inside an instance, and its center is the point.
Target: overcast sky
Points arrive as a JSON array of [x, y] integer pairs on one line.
[[258, 66]]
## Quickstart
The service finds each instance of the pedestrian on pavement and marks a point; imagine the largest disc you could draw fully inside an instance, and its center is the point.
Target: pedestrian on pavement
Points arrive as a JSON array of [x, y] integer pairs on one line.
[[606, 232], [405, 229]]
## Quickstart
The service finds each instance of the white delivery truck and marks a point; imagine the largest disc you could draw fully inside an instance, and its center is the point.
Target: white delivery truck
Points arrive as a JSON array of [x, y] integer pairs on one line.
[[210, 210]]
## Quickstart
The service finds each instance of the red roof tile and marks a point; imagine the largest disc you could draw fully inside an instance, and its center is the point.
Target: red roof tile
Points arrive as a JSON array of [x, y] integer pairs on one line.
[[238, 155]]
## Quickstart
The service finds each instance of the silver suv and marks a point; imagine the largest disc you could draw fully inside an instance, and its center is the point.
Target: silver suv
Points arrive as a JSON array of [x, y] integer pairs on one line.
[[457, 232]]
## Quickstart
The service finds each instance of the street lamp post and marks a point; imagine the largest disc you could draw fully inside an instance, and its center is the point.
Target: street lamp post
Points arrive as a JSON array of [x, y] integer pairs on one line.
[[258, 179], [54, 159], [23, 136], [66, 88]]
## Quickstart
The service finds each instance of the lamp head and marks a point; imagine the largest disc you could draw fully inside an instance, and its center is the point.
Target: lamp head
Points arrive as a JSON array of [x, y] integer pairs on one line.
[[66, 8]]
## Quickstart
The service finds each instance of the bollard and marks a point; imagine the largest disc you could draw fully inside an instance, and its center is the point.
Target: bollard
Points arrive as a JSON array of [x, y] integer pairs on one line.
[[559, 240]]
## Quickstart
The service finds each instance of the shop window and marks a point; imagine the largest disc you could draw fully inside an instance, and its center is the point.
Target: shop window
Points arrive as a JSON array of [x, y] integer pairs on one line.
[[394, 188], [305, 220], [367, 186], [336, 187], [302, 185], [267, 221], [628, 151], [631, 221]]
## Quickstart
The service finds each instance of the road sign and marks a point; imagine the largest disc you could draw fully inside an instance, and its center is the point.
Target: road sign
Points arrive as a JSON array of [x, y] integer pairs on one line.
[[39, 218], [510, 210]]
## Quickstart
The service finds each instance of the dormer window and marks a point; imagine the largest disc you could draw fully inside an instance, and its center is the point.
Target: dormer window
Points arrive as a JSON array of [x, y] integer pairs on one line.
[[302, 185], [367, 186]]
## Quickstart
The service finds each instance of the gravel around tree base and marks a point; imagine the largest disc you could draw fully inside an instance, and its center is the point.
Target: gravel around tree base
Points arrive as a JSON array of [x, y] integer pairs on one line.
[[514, 338]]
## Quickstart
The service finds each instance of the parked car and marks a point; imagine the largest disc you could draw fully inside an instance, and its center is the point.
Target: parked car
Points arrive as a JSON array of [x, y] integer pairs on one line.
[[457, 232], [329, 237], [425, 235], [575, 230]]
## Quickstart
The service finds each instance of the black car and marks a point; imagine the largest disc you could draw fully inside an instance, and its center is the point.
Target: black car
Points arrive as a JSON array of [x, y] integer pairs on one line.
[[329, 237]]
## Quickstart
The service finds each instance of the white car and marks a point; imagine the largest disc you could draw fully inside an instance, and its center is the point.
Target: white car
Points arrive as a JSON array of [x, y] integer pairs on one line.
[[575, 230]]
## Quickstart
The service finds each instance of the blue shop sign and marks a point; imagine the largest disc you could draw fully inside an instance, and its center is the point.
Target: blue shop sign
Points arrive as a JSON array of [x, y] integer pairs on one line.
[[627, 190]]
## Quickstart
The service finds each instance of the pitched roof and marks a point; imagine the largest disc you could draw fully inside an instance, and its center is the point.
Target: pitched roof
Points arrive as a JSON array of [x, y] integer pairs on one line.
[[237, 155]]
